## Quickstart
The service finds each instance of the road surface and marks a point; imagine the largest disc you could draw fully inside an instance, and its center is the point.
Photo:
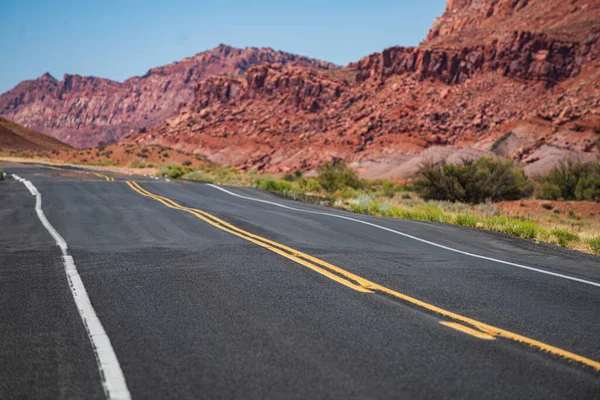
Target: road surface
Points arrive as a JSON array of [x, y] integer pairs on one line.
[[140, 288]]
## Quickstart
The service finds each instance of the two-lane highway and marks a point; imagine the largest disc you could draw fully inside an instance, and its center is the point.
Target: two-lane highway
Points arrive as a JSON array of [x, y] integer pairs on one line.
[[209, 292]]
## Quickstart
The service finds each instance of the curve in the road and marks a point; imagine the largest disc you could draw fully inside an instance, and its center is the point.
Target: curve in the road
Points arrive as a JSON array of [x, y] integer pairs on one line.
[[356, 282], [441, 246]]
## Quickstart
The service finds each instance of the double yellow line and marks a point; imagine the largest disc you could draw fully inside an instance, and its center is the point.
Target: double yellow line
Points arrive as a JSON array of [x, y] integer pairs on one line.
[[348, 279], [108, 178], [289, 253]]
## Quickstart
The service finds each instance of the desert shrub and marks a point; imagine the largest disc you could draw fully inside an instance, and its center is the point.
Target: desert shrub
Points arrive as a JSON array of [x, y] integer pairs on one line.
[[466, 220], [595, 244], [337, 175], [200, 176], [174, 171], [564, 236], [144, 150], [474, 181], [588, 187], [137, 163], [274, 185], [346, 193], [571, 180], [388, 188], [142, 155], [166, 155], [289, 177], [511, 226], [187, 163], [309, 185]]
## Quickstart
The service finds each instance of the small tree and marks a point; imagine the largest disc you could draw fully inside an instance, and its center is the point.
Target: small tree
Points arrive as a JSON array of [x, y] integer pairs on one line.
[[571, 180], [337, 175], [474, 181]]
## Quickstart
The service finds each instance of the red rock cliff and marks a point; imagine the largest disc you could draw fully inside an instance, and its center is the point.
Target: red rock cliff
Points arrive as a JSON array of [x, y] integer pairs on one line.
[[86, 111]]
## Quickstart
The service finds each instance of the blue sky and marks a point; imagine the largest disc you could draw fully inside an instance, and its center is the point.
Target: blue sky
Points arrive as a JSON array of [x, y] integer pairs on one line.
[[119, 39]]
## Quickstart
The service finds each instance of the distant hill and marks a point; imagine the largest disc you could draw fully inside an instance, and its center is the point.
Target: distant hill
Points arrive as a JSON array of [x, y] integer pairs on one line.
[[89, 111], [16, 138]]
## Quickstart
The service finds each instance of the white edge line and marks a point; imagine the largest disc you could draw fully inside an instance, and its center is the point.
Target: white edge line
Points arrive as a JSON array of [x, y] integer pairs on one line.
[[113, 380], [411, 237]]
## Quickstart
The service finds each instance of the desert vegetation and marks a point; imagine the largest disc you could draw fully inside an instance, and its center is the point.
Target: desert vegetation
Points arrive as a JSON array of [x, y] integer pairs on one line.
[[474, 181], [485, 193], [469, 194], [571, 180]]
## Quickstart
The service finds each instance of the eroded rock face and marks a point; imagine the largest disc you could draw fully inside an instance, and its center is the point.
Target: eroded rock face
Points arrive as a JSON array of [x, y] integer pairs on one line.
[[536, 88], [523, 55], [87, 111], [466, 22]]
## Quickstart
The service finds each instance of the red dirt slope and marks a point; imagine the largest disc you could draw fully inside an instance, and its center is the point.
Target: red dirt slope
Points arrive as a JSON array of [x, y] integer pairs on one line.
[[17, 139]]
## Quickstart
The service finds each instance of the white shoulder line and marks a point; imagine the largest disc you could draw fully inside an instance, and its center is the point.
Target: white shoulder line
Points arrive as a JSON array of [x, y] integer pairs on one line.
[[111, 374], [412, 237]]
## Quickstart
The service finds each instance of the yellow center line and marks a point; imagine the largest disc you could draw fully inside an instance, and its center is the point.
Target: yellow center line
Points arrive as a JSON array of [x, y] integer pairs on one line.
[[102, 176], [198, 214], [362, 284], [468, 331]]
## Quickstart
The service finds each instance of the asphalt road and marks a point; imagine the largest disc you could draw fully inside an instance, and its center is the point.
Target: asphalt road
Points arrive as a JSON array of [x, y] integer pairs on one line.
[[216, 306]]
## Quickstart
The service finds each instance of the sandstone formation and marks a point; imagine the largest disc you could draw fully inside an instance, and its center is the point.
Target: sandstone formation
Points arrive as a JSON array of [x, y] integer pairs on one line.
[[513, 93], [87, 111]]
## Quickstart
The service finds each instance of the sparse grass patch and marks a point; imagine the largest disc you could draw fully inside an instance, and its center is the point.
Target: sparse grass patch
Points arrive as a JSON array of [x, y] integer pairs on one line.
[[174, 171], [274, 185], [466, 220], [564, 236], [200, 176], [137, 163], [511, 226], [594, 244]]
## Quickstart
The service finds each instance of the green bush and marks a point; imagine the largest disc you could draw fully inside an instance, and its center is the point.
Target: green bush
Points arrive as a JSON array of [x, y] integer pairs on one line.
[[200, 176], [174, 171], [474, 181], [466, 220], [564, 236], [571, 180], [274, 185], [309, 185], [388, 188], [337, 175], [515, 227], [137, 163], [595, 244]]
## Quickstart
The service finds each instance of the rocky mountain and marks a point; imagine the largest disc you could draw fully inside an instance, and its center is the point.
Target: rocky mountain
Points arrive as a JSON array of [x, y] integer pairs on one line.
[[87, 111], [466, 22], [16, 139], [518, 78]]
